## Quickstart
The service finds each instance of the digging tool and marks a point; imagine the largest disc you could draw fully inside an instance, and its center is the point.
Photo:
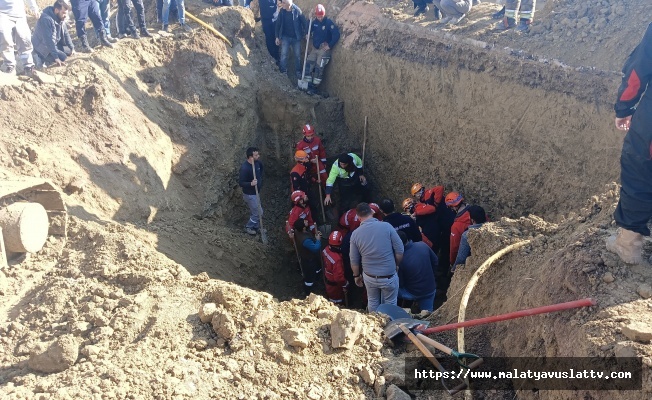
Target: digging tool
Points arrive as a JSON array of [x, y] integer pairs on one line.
[[263, 233], [364, 140], [296, 250], [303, 85], [326, 228], [210, 28]]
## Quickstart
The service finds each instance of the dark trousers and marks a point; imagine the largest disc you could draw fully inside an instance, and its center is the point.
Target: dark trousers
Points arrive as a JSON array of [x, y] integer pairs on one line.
[[351, 193], [159, 9], [421, 3], [62, 54], [84, 9], [270, 38], [124, 18], [635, 206]]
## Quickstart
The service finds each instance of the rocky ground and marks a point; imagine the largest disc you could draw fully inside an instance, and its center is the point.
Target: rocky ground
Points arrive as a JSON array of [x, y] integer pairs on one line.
[[157, 292]]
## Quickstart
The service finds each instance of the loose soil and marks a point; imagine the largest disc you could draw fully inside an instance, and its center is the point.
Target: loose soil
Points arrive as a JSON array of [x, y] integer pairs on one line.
[[152, 134]]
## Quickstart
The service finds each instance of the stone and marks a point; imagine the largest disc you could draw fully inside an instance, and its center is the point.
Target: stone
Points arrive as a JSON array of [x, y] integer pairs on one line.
[[379, 386], [314, 301], [261, 316], [639, 331], [345, 329], [59, 356], [367, 375], [315, 393], [394, 393], [644, 290], [4, 286], [622, 350], [223, 324], [608, 277], [207, 311], [76, 185], [91, 350], [296, 337]]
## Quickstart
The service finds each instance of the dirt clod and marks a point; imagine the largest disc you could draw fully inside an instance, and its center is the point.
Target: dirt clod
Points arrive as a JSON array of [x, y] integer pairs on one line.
[[639, 331], [58, 356], [644, 290], [296, 337], [394, 393], [608, 277], [207, 311], [345, 329]]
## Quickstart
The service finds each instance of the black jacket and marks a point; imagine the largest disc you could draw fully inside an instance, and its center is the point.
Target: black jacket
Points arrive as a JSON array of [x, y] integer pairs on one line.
[[48, 32], [294, 17], [247, 175], [404, 223]]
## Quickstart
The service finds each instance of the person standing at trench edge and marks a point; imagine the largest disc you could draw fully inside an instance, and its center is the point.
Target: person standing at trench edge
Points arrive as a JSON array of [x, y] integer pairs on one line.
[[248, 185], [634, 115]]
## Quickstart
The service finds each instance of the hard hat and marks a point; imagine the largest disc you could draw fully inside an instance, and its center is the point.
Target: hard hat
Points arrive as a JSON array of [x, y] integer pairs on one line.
[[416, 188], [335, 238], [453, 199], [308, 130], [374, 207], [320, 10], [408, 203], [300, 155], [297, 195]]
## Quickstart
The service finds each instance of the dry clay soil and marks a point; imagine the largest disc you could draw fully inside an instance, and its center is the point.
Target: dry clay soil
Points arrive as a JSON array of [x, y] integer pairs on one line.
[[146, 140]]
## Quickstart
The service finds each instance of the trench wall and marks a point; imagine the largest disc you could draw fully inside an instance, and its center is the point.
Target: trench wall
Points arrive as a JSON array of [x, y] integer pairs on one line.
[[512, 132]]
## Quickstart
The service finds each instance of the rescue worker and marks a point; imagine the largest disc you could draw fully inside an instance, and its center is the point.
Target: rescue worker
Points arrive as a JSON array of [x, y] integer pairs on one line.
[[308, 246], [399, 221], [478, 218], [439, 233], [248, 184], [634, 115], [324, 37], [521, 11], [348, 171], [336, 283], [316, 152], [13, 19], [290, 29], [299, 173], [300, 210], [455, 202], [349, 221]]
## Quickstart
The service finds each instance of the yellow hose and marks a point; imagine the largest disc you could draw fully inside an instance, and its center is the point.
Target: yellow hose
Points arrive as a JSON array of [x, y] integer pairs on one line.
[[210, 28]]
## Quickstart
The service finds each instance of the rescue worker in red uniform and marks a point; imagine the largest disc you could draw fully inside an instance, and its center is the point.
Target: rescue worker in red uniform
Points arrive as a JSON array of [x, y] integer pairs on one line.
[[300, 210], [336, 283], [455, 202], [299, 173], [440, 231], [349, 221], [634, 115], [316, 152]]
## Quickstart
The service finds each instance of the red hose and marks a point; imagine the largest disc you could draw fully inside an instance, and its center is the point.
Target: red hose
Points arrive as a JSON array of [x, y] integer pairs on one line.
[[516, 314]]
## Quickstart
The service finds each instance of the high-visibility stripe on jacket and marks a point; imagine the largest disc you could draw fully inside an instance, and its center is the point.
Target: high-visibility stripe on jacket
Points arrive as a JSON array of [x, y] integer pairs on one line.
[[341, 173]]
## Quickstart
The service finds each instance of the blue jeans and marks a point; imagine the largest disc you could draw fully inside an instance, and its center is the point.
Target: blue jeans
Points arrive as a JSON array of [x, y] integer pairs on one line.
[[380, 291], [180, 9], [255, 212], [104, 14], [286, 42], [83, 10], [425, 302]]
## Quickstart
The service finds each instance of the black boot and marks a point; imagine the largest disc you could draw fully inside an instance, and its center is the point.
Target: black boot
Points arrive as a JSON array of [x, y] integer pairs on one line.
[[144, 33], [104, 41], [499, 15], [85, 47]]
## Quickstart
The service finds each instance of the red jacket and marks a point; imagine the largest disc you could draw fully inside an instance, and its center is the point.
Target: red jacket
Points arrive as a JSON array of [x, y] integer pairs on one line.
[[333, 267], [315, 148], [300, 212], [350, 221], [433, 196], [461, 223], [422, 209], [299, 178]]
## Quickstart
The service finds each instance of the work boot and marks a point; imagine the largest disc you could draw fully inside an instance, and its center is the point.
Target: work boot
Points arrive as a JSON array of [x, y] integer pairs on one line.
[[111, 39], [445, 20], [506, 24], [85, 47], [103, 40], [145, 33], [455, 21], [186, 27], [165, 28], [437, 14], [421, 10], [250, 231], [627, 244], [28, 71], [524, 25], [500, 14], [134, 34], [9, 70]]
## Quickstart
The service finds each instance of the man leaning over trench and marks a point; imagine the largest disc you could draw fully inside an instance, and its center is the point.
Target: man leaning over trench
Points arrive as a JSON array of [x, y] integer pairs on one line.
[[634, 115], [376, 247], [248, 184]]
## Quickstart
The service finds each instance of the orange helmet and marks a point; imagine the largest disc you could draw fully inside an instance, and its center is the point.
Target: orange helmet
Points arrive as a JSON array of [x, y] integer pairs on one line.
[[320, 10], [374, 207], [308, 130], [335, 238], [408, 203], [453, 199], [416, 188], [300, 155], [297, 195]]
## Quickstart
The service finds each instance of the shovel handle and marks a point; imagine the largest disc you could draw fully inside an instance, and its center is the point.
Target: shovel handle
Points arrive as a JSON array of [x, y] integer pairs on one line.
[[422, 348], [435, 344]]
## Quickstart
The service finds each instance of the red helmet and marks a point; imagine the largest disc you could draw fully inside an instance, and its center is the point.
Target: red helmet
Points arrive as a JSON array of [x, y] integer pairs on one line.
[[297, 195], [308, 130], [335, 238], [375, 207], [320, 10], [453, 199]]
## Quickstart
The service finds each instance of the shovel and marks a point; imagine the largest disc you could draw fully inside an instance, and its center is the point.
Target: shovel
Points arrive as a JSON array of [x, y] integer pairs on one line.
[[326, 228], [303, 85], [263, 233]]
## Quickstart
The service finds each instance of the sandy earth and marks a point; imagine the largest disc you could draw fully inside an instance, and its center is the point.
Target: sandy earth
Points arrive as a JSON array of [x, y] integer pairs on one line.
[[153, 132]]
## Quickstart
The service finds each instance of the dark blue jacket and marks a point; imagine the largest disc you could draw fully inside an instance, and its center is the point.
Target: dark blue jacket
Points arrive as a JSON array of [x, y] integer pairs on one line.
[[267, 8], [324, 31], [416, 273], [48, 32], [404, 223], [291, 17], [247, 175]]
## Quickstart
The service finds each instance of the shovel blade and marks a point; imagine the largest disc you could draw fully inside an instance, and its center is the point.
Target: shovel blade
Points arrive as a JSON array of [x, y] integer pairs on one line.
[[303, 85], [394, 312], [393, 329], [263, 237]]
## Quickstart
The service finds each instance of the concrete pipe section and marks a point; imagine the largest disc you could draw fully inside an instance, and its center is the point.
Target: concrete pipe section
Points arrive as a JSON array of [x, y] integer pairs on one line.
[[24, 227]]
